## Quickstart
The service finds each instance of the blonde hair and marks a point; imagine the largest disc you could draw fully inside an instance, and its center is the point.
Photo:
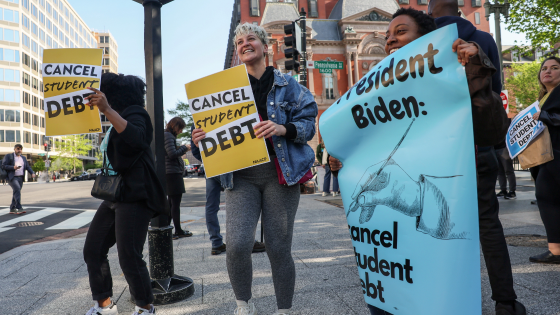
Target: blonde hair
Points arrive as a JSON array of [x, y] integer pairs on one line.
[[543, 91], [248, 28]]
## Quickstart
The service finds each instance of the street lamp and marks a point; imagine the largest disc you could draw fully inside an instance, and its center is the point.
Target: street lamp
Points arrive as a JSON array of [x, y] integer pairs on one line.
[[497, 9], [167, 286]]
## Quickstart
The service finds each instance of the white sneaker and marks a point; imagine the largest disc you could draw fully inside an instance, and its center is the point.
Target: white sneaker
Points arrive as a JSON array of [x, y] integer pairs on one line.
[[324, 194], [109, 310], [245, 308], [282, 312], [139, 310], [333, 194]]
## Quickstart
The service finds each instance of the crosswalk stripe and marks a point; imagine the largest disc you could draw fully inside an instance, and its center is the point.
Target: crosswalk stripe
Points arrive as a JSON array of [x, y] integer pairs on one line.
[[75, 222], [28, 217]]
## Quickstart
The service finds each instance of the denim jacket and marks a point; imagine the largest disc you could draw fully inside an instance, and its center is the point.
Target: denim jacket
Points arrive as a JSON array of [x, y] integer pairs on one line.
[[288, 102]]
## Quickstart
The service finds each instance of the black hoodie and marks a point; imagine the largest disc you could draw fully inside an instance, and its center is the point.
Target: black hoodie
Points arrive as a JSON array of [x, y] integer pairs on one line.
[[140, 181], [469, 33]]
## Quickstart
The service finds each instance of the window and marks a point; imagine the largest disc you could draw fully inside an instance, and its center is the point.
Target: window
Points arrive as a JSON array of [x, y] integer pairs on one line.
[[9, 55], [422, 1], [66, 27], [312, 5], [25, 79], [9, 35], [35, 120], [49, 25], [34, 47], [66, 41], [9, 75], [25, 21], [34, 64], [25, 118], [49, 41], [12, 115], [42, 18], [26, 134], [34, 28], [35, 83], [9, 15], [55, 15], [254, 8], [328, 85], [25, 4], [25, 98], [477, 18], [26, 59], [106, 61], [34, 10], [42, 35], [461, 3], [1, 115], [7, 95], [61, 35], [49, 8], [403, 1], [61, 20], [476, 3], [42, 122], [35, 102]]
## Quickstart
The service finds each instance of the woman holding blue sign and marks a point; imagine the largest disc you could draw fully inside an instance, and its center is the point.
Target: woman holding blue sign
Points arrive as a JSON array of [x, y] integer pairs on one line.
[[548, 179], [288, 112]]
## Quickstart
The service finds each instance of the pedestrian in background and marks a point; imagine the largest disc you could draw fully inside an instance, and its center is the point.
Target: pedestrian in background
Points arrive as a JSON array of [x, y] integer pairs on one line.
[[174, 169], [126, 149], [15, 165], [506, 173], [257, 189], [547, 181], [322, 157]]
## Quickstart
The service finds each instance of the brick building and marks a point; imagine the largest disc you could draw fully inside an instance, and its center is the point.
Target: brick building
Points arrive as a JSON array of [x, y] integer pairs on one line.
[[350, 31]]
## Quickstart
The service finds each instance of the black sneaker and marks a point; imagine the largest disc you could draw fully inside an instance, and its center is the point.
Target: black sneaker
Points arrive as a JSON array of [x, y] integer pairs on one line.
[[533, 202], [181, 234], [218, 250], [259, 247], [545, 258], [511, 195], [511, 308], [501, 194]]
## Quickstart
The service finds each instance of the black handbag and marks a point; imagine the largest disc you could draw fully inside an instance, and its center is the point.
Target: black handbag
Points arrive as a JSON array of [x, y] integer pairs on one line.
[[110, 187]]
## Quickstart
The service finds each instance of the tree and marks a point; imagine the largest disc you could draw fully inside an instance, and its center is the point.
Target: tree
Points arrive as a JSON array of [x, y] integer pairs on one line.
[[71, 147], [39, 166], [539, 20], [183, 110], [523, 83]]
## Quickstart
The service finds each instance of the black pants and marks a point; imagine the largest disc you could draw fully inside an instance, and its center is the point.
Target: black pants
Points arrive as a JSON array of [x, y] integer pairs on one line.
[[175, 203], [505, 170], [492, 240], [377, 311], [548, 198], [125, 224]]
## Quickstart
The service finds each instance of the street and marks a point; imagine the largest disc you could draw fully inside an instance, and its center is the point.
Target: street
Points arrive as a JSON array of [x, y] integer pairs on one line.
[[64, 209]]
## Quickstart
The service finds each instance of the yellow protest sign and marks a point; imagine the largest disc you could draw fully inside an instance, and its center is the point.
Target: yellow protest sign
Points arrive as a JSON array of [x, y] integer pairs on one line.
[[224, 107], [67, 73]]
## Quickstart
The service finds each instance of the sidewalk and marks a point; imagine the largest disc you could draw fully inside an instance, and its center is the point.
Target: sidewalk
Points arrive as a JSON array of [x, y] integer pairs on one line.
[[51, 277]]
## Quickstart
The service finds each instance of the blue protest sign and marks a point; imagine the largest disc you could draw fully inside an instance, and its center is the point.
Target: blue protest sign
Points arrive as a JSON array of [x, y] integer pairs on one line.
[[523, 129], [404, 134]]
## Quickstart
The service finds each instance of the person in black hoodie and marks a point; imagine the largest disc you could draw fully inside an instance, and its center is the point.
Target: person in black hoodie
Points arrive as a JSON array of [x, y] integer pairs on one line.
[[492, 239], [125, 223]]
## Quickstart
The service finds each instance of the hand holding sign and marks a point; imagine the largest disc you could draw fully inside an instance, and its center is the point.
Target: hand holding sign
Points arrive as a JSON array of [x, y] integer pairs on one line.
[[537, 115], [197, 135], [464, 50], [98, 99], [268, 129]]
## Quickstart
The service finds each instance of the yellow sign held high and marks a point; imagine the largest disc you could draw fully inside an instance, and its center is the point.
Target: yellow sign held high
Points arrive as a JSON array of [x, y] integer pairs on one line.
[[67, 73], [224, 107]]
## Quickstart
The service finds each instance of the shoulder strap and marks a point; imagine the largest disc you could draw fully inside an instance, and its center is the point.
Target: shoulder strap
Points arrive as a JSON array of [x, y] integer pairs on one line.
[[105, 168]]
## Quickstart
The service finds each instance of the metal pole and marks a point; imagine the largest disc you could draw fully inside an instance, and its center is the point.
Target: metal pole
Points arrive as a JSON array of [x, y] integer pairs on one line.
[[166, 285], [303, 59], [499, 42]]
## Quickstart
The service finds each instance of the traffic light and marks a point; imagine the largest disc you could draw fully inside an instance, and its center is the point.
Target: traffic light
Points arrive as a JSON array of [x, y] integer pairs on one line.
[[293, 46], [46, 147]]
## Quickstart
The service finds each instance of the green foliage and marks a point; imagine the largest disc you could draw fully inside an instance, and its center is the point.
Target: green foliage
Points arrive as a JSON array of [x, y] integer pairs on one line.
[[39, 166], [70, 148], [183, 110], [524, 83], [539, 20]]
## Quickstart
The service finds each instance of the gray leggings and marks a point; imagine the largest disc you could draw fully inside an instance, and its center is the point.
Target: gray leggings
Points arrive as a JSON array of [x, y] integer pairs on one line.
[[254, 189]]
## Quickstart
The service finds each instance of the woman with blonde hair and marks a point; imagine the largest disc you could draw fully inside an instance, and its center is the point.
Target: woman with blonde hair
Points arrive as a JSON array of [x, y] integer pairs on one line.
[[547, 175], [288, 113]]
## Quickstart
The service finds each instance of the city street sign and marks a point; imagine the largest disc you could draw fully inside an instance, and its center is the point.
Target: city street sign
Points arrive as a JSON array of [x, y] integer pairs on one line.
[[505, 100], [48, 163], [329, 65], [41, 154], [325, 70]]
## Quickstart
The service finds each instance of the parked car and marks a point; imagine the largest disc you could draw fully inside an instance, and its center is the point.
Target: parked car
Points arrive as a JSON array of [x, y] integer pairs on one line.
[[82, 176], [93, 173], [201, 171], [195, 168]]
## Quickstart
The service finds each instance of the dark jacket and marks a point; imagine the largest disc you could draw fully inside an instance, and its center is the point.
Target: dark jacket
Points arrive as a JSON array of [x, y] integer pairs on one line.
[[140, 181], [173, 157], [489, 117], [550, 116], [8, 165], [469, 33], [194, 149]]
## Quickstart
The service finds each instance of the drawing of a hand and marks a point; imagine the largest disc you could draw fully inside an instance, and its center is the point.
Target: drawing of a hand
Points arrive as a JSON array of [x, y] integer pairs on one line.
[[392, 187]]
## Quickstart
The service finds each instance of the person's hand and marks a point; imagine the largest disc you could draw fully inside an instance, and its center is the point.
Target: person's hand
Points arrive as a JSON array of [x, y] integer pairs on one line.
[[197, 135], [17, 167], [537, 115], [98, 99], [33, 175], [268, 129], [464, 50], [334, 164], [392, 188], [188, 147]]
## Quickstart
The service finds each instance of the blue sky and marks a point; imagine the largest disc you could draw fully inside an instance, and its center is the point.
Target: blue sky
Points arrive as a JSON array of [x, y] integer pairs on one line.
[[194, 38]]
